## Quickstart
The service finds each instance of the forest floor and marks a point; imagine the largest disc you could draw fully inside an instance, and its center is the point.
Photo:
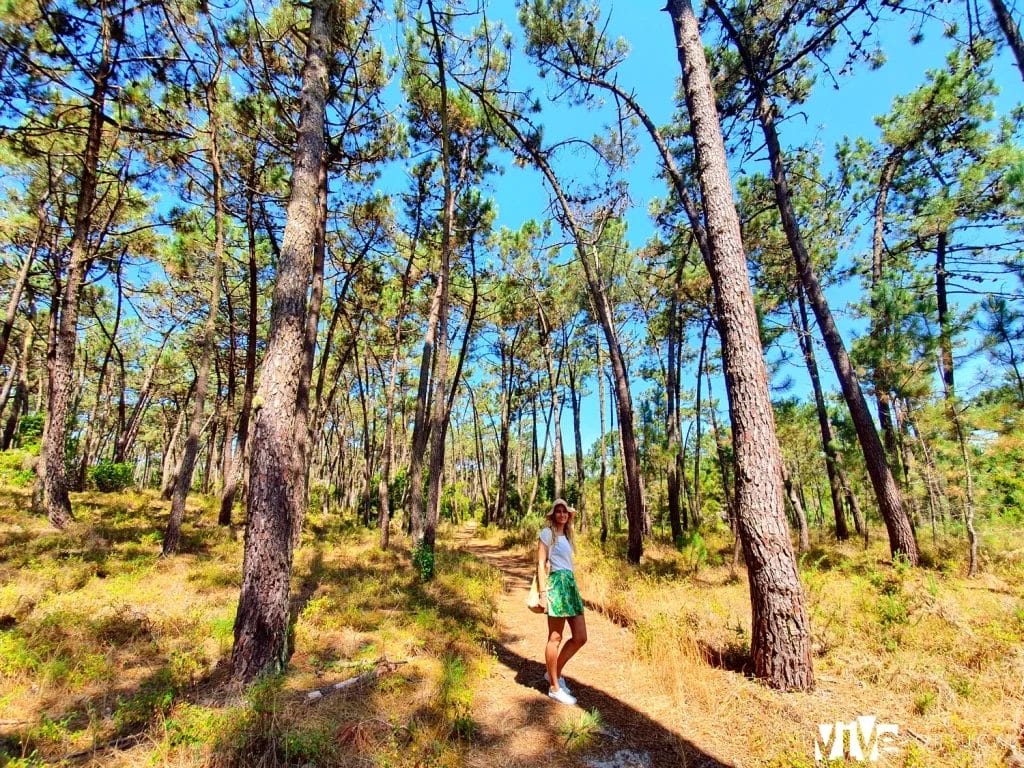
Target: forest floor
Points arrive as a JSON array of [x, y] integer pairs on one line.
[[113, 656], [521, 726], [667, 665]]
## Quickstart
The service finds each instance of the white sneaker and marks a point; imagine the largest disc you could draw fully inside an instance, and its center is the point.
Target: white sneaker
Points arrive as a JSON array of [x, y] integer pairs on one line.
[[561, 683], [562, 697]]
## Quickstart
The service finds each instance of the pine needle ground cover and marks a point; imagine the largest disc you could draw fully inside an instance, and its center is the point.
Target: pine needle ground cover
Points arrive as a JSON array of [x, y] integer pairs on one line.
[[112, 656], [938, 655]]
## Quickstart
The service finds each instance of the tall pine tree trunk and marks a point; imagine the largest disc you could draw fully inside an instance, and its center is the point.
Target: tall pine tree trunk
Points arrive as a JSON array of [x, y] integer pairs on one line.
[[671, 420], [824, 423], [183, 482], [506, 353], [19, 372], [22, 280], [799, 512], [781, 640], [945, 327], [316, 298], [478, 448], [421, 427], [901, 533], [604, 448], [233, 478], [620, 375], [723, 468], [277, 476], [54, 480], [554, 425], [388, 452], [575, 396], [1011, 31], [697, 409]]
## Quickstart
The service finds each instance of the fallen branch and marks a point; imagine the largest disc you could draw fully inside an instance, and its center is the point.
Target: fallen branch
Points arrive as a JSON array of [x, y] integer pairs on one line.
[[380, 667]]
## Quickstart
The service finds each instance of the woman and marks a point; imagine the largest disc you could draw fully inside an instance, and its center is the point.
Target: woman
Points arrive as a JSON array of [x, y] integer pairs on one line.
[[560, 597]]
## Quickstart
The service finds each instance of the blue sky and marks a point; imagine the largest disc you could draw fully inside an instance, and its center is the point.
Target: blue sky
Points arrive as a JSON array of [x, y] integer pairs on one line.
[[652, 71]]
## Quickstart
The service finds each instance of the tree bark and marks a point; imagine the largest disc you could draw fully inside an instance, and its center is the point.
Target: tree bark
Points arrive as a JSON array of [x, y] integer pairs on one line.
[[575, 397], [20, 407], [183, 482], [19, 373], [22, 280], [169, 463], [388, 453], [506, 354], [799, 512], [316, 299], [671, 417], [278, 472], [901, 533], [478, 447], [824, 423], [421, 428], [1011, 31], [728, 495], [54, 480], [362, 383], [945, 327], [233, 479], [697, 408], [859, 523], [881, 323], [620, 375], [780, 641], [554, 425], [96, 424], [603, 448]]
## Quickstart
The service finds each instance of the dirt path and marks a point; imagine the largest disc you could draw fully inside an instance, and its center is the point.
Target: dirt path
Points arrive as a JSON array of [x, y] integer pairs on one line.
[[520, 724]]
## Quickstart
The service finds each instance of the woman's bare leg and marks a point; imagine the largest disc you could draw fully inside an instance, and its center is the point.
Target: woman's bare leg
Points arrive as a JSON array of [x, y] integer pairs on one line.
[[551, 656], [578, 625]]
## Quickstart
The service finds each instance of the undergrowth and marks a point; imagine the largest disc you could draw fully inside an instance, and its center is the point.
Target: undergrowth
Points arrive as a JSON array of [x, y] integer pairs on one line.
[[925, 648], [110, 655]]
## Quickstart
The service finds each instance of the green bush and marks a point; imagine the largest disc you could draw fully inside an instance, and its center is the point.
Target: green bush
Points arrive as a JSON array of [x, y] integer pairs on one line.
[[423, 561], [108, 476], [694, 550], [17, 468], [30, 428]]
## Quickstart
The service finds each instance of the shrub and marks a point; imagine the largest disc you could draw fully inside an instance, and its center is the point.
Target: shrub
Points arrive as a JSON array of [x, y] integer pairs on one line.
[[109, 476], [30, 428], [17, 467], [694, 550], [423, 561], [580, 730]]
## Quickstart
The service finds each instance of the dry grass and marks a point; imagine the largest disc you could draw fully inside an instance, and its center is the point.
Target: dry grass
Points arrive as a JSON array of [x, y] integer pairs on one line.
[[111, 656], [116, 657], [938, 655]]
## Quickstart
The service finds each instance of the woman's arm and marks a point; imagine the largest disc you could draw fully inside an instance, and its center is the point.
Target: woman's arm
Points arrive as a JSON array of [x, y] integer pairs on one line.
[[542, 571]]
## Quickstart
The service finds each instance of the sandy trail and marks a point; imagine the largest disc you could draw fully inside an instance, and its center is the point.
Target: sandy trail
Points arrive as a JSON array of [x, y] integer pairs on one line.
[[520, 725]]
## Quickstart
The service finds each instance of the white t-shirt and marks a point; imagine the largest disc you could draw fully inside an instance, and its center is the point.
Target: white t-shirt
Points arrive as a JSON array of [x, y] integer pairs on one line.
[[559, 555]]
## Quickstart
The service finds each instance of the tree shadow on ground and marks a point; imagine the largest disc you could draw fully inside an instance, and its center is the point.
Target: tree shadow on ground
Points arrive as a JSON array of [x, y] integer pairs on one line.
[[625, 727]]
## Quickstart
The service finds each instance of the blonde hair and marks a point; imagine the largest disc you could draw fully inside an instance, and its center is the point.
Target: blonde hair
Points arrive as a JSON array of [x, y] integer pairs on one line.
[[567, 530]]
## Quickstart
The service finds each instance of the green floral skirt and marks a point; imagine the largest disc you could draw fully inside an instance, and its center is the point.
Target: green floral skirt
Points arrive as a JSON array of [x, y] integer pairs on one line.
[[563, 597]]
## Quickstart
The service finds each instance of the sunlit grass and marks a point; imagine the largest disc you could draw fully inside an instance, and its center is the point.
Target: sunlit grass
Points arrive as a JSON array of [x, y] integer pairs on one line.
[[926, 648], [580, 730], [104, 646]]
